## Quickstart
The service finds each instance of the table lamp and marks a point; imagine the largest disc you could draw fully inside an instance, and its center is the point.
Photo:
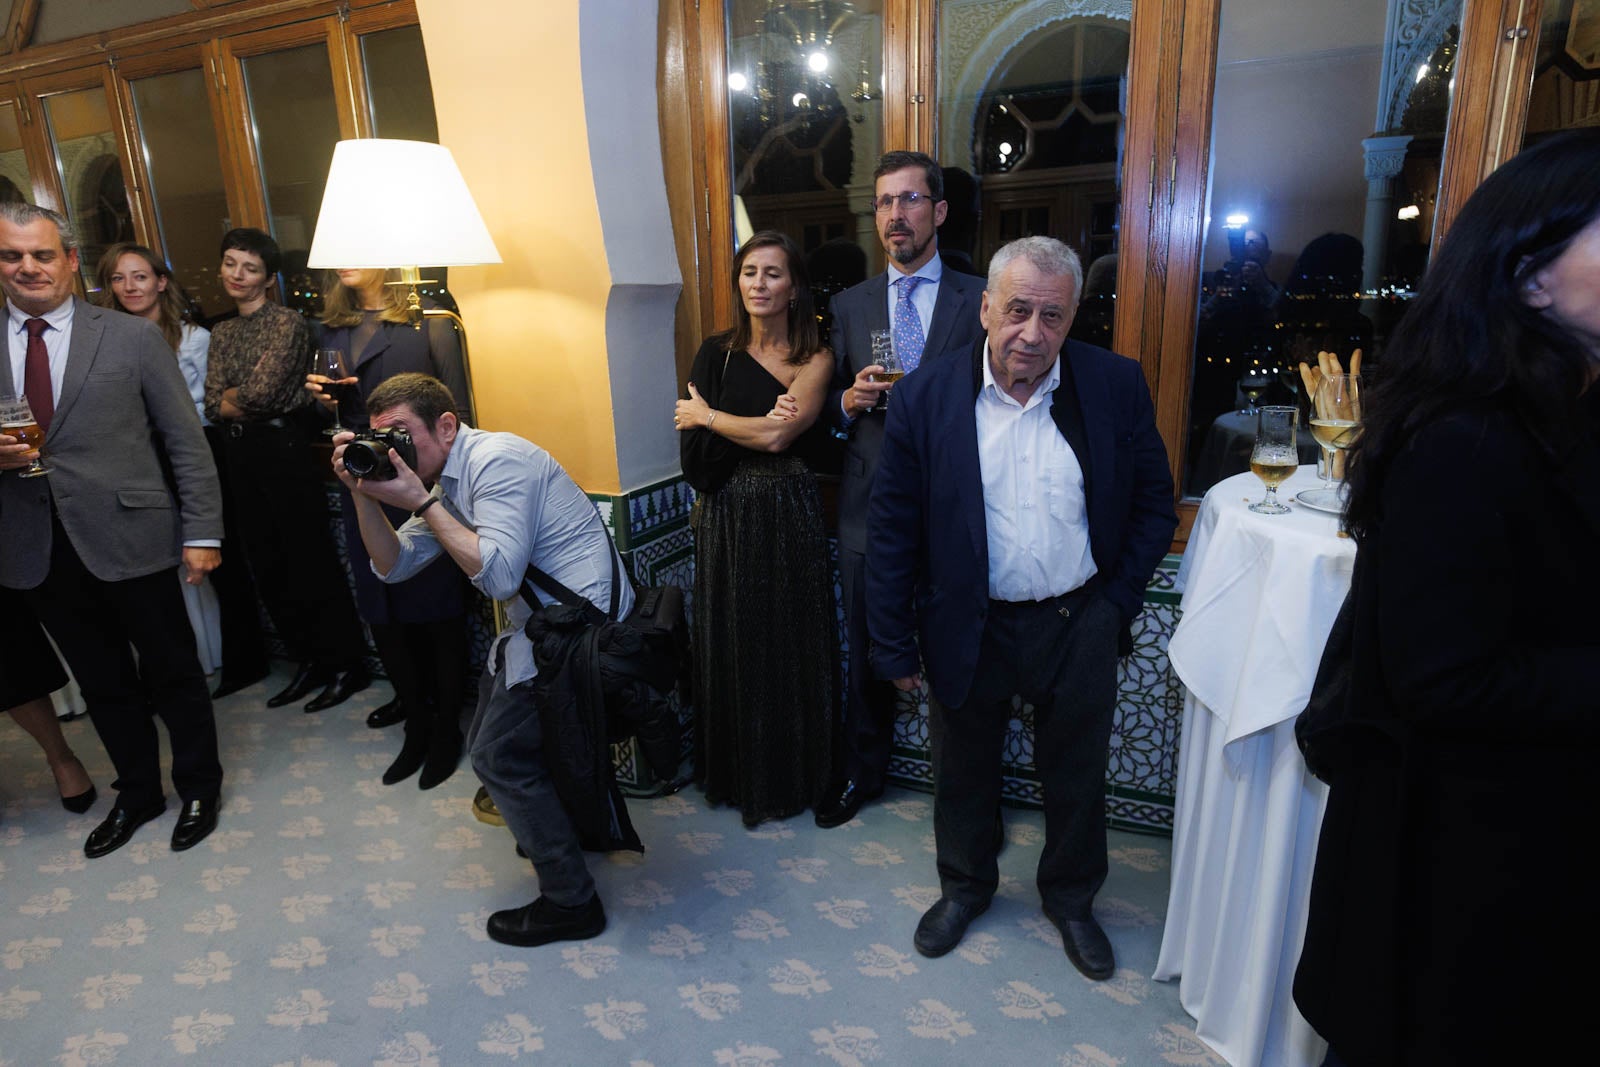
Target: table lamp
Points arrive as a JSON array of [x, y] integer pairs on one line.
[[401, 204]]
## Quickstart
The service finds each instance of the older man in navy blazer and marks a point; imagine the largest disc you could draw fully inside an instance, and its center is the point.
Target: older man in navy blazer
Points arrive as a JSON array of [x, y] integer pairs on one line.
[[1030, 501]]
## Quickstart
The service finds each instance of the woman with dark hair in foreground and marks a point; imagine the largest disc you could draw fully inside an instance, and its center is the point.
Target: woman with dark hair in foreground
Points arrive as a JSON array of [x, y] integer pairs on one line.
[[1448, 920], [766, 651]]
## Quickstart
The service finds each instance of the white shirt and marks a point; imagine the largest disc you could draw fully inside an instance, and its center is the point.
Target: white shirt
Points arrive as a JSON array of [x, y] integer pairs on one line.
[[525, 509], [923, 297], [57, 339], [1034, 506], [193, 346]]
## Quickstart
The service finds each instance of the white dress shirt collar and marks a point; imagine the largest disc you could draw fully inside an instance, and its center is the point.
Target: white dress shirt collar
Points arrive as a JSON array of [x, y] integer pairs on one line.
[[1052, 380]]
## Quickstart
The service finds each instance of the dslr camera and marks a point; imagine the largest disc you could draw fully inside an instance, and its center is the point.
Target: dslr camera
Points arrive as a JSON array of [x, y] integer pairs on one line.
[[367, 457]]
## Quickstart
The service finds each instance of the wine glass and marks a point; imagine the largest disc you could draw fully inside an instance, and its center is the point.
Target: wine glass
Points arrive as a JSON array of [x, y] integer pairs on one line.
[[1335, 423], [335, 364], [883, 355], [1275, 457], [16, 420], [1254, 384]]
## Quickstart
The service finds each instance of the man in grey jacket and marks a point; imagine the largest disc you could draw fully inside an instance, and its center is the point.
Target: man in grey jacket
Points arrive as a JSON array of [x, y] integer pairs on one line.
[[93, 544]]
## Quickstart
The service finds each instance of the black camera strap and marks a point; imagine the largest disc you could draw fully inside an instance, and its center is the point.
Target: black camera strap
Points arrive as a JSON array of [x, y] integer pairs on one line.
[[537, 577]]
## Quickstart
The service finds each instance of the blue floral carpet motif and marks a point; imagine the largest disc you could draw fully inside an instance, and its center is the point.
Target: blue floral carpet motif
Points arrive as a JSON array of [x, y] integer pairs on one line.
[[331, 920]]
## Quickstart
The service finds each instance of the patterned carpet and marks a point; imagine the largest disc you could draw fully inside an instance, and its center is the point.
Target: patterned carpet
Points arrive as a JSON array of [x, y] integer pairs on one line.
[[331, 920]]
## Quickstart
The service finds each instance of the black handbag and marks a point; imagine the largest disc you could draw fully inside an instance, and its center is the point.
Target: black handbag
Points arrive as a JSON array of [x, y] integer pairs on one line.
[[642, 660]]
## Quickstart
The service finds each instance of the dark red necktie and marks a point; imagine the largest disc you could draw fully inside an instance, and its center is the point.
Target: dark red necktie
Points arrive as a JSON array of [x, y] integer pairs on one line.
[[36, 376]]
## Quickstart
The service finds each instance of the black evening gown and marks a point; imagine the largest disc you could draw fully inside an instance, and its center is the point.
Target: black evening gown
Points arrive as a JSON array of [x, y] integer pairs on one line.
[[765, 631]]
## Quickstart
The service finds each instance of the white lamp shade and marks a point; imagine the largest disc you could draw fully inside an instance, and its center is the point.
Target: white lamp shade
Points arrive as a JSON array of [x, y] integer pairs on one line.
[[395, 203]]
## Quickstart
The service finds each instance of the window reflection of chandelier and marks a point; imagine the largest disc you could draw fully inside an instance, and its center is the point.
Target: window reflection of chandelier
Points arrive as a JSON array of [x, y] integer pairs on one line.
[[802, 71]]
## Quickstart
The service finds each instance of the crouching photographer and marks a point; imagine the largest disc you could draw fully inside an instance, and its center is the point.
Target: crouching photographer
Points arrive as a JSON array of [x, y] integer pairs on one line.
[[497, 505]]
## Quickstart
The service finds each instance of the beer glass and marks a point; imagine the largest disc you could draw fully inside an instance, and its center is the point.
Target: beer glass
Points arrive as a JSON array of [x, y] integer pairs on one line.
[[16, 420], [336, 365], [883, 355], [1274, 458]]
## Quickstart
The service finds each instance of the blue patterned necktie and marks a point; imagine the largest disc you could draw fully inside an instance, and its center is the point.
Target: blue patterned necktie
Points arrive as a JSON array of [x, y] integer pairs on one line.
[[907, 326]]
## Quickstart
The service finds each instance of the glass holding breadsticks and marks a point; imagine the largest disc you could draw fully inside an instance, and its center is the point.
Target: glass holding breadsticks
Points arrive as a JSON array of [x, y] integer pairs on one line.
[[1335, 420]]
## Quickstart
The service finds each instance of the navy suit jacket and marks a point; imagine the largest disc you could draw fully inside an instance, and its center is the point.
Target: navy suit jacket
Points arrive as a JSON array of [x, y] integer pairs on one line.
[[858, 311], [928, 575]]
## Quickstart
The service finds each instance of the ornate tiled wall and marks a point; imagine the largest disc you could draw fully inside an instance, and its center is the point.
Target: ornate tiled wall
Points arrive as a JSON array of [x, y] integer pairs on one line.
[[1141, 777]]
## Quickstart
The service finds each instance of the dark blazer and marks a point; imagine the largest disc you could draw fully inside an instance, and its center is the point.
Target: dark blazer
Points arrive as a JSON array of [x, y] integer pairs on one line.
[[1450, 917], [123, 414], [398, 348], [438, 592], [858, 311], [928, 576]]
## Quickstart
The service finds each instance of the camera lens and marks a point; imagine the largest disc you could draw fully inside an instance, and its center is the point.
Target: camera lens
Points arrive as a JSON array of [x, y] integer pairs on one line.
[[364, 461]]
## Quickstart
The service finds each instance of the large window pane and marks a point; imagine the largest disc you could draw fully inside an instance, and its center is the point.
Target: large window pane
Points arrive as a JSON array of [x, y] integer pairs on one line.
[[85, 145], [1030, 112], [15, 181], [805, 101], [1565, 93], [1317, 227], [180, 151], [398, 90], [296, 125]]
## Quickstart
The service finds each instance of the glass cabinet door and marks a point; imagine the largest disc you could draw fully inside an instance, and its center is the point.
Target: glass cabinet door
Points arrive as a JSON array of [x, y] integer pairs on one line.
[[16, 182], [84, 142], [172, 112]]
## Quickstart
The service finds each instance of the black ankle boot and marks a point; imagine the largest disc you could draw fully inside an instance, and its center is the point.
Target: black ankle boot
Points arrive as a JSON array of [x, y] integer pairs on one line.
[[412, 755], [444, 753]]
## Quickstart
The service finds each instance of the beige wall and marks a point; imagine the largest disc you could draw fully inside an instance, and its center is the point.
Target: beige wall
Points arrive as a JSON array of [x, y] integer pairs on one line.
[[508, 91]]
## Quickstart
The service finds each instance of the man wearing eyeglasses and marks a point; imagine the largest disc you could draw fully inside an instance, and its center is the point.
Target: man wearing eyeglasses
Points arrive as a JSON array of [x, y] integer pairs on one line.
[[926, 309]]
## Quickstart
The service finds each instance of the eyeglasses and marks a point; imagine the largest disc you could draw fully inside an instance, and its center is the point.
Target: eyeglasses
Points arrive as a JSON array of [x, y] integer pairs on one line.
[[908, 201]]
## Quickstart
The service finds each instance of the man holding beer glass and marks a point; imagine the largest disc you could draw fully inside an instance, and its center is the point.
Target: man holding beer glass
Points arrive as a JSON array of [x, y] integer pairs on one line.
[[93, 542]]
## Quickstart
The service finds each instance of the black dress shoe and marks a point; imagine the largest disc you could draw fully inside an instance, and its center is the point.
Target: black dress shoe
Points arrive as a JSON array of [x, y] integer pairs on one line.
[[308, 677], [842, 806], [386, 714], [231, 682], [943, 926], [345, 685], [82, 802], [117, 828], [542, 922], [1087, 947], [197, 819]]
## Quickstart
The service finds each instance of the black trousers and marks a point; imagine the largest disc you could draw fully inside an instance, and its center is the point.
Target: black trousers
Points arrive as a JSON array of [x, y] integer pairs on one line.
[[244, 648], [869, 702], [427, 664], [283, 521], [94, 622], [1060, 655]]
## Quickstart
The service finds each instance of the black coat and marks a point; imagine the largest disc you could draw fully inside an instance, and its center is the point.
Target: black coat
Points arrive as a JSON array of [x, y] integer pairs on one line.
[[1448, 920]]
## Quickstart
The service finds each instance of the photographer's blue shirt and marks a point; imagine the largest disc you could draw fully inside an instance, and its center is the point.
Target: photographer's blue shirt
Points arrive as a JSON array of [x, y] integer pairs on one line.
[[525, 509]]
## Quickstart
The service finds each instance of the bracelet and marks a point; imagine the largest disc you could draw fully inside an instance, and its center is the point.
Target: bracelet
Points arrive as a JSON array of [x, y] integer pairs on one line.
[[430, 502], [711, 418]]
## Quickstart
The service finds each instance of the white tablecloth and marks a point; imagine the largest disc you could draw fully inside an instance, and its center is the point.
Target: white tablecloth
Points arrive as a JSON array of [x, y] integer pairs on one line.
[[1259, 596]]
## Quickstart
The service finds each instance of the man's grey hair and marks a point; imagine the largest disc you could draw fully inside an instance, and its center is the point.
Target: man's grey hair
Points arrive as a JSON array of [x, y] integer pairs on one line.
[[22, 213], [1047, 254]]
